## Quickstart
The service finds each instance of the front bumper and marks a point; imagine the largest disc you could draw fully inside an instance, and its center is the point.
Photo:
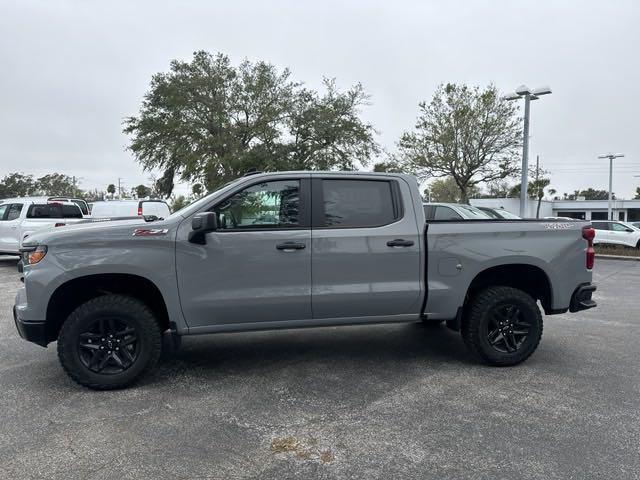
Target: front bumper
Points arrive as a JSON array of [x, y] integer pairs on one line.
[[31, 331], [581, 298]]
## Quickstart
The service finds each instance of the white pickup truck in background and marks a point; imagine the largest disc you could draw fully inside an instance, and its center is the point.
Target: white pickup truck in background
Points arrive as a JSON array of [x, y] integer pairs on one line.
[[21, 217]]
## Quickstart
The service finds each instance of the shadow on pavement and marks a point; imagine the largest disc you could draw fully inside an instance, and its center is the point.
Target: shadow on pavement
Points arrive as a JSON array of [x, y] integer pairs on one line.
[[365, 346]]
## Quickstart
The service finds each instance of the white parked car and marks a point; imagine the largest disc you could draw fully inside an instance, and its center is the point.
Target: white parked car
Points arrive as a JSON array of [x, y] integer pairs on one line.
[[20, 217], [616, 233], [130, 208], [453, 211]]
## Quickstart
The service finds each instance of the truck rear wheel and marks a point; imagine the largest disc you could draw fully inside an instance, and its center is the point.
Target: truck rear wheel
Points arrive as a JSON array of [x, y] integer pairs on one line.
[[109, 342], [502, 326]]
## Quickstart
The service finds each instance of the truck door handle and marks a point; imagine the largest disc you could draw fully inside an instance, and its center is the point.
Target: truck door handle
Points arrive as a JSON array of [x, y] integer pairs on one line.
[[288, 246], [399, 242]]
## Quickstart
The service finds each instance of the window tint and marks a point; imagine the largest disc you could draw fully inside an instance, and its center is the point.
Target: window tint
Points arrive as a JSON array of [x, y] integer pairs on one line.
[[14, 211], [83, 206], [357, 203], [446, 213], [600, 225], [266, 205], [54, 210], [3, 210]]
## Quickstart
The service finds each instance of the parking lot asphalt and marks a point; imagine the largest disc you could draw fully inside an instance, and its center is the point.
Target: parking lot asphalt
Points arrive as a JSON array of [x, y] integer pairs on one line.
[[384, 401]]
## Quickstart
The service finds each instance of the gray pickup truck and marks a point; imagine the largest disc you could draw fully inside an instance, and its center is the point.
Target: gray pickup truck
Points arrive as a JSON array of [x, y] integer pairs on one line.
[[295, 249]]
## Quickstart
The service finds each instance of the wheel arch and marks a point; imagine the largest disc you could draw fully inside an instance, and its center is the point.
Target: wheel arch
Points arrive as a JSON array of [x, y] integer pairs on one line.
[[526, 277], [73, 293]]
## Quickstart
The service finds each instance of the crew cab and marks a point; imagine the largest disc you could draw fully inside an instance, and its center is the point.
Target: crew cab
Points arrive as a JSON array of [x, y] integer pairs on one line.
[[295, 249], [21, 217]]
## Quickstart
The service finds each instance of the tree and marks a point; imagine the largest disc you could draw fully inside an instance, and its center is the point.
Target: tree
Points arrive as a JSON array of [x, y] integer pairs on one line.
[[111, 189], [390, 167], [447, 190], [179, 202], [637, 197], [498, 189], [469, 134], [592, 194], [56, 184], [142, 191], [207, 121], [17, 185], [537, 189], [197, 190]]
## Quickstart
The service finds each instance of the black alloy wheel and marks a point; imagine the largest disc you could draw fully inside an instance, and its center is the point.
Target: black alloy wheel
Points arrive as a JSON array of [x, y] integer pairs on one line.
[[108, 346], [502, 325], [507, 328]]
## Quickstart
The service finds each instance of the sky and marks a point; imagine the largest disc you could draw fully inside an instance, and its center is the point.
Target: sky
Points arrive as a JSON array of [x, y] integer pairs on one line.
[[71, 71]]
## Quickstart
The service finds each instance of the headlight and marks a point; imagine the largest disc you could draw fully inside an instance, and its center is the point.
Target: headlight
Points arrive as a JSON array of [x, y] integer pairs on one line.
[[33, 255]]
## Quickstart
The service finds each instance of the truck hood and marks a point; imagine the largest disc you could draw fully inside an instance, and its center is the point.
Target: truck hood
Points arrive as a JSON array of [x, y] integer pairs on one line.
[[91, 231]]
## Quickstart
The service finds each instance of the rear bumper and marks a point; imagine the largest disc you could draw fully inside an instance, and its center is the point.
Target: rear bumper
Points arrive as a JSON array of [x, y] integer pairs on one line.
[[581, 298], [30, 330]]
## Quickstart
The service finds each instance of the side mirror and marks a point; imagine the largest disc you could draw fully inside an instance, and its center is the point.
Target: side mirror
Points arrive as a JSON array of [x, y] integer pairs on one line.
[[630, 230], [201, 224]]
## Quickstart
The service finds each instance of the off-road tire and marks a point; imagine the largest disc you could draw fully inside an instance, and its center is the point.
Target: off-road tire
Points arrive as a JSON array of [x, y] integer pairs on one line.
[[110, 306], [476, 320]]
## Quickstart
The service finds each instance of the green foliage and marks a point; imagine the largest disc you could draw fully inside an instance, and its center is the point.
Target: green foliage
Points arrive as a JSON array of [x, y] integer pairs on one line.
[[142, 191], [207, 121], [197, 190], [56, 184], [498, 189], [179, 202], [637, 197], [17, 185], [53, 184], [390, 167], [111, 189], [593, 194], [447, 190], [469, 134]]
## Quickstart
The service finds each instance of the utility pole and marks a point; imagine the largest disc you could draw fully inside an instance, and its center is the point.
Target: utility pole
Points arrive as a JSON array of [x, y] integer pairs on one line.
[[119, 189], [610, 156]]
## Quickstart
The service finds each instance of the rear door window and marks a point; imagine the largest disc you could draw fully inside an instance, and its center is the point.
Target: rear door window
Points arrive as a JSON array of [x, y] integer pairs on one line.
[[3, 211], [358, 203]]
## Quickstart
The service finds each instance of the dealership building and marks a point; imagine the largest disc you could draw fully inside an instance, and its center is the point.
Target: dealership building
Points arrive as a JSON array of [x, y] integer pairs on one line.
[[625, 210]]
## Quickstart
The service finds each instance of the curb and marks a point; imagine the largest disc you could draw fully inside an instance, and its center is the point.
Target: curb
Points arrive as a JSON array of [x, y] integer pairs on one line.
[[618, 257]]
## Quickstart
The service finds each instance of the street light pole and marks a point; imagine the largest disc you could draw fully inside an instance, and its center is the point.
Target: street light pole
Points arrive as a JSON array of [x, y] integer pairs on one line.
[[610, 156], [524, 91], [524, 179]]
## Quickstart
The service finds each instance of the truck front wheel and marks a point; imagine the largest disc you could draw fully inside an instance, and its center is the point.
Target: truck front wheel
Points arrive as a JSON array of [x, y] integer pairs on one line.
[[502, 326], [109, 342]]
